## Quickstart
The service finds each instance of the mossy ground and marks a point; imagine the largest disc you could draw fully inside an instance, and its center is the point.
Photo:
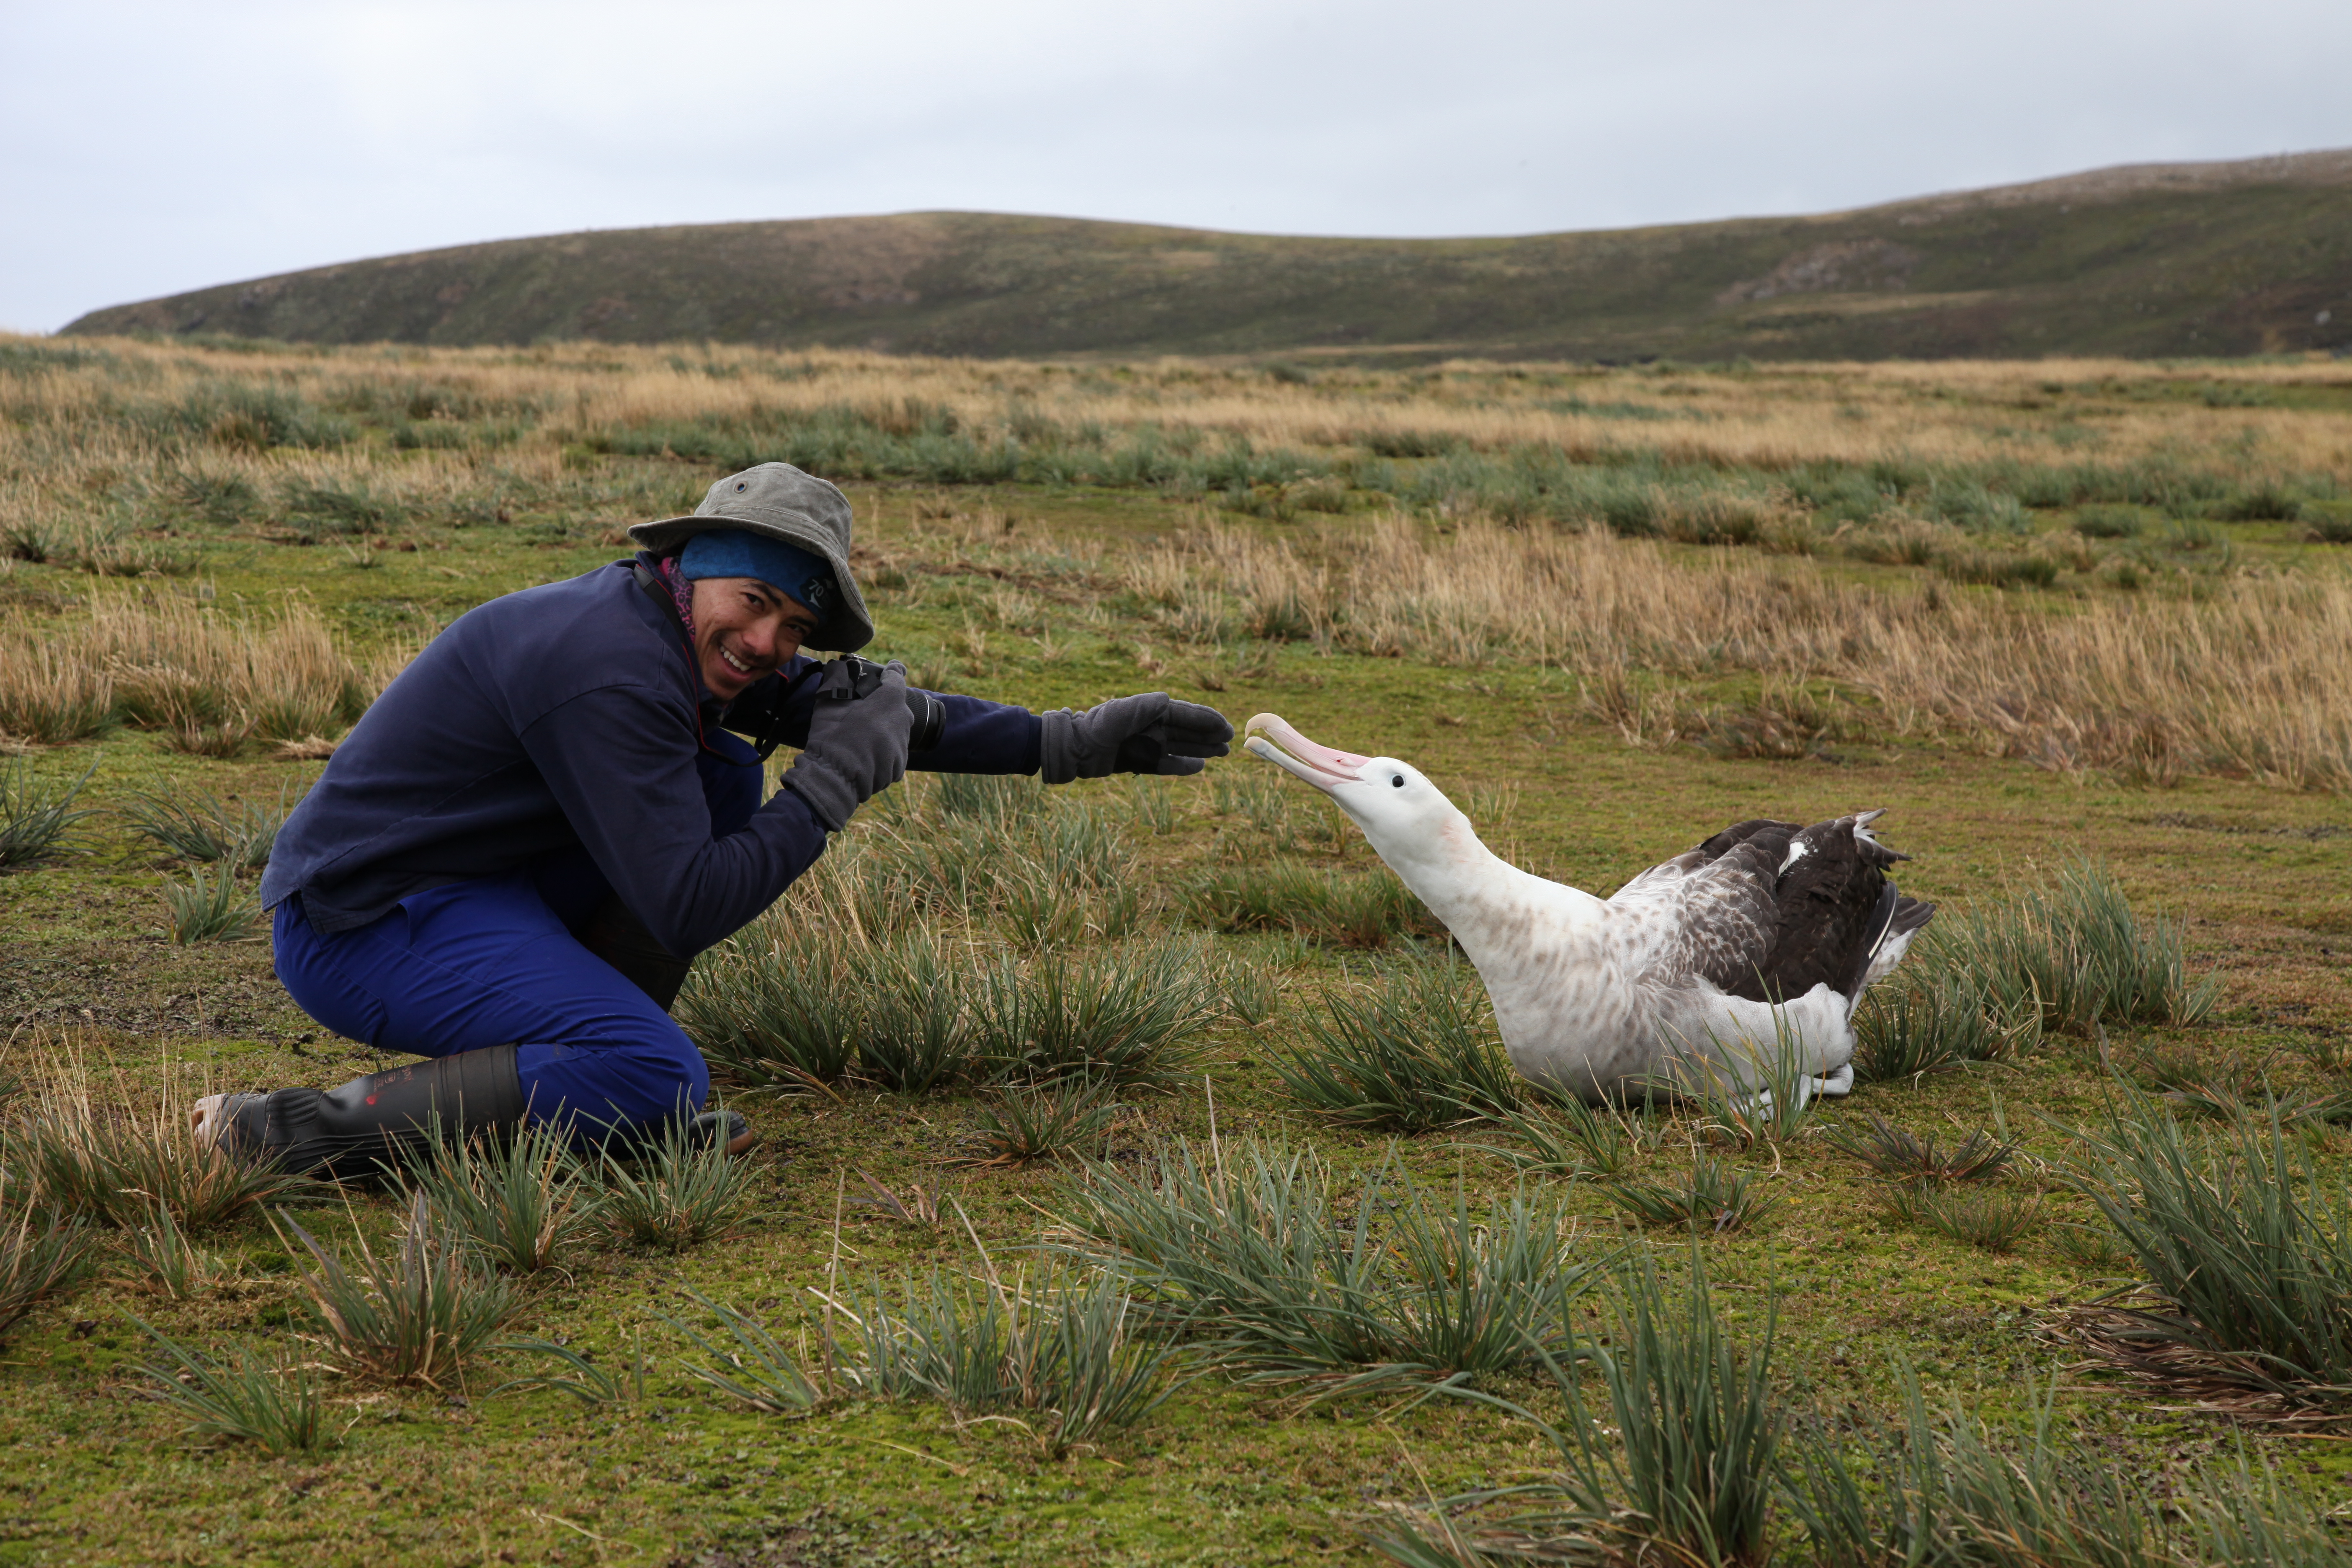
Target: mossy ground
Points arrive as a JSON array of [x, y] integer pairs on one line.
[[94, 1472]]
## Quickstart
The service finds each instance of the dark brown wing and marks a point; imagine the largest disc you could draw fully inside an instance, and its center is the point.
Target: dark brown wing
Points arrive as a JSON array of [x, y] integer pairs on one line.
[[1767, 910], [1836, 905]]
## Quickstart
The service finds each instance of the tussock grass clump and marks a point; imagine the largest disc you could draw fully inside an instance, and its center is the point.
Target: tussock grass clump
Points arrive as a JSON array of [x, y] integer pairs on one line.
[[1744, 1092], [214, 908], [917, 1035], [2247, 1256], [1252, 991], [2090, 1247], [116, 1164], [275, 1402], [43, 1252], [1995, 1221], [1702, 1429], [1343, 910], [165, 1259], [1933, 1020], [578, 1373], [2107, 522], [1418, 1054], [1122, 1016], [38, 817], [785, 1008], [994, 800], [1570, 1138], [204, 681], [758, 1371], [1715, 1196], [1062, 1349], [208, 683], [1700, 1464], [673, 1194], [521, 1200], [1892, 1153], [1053, 1121], [200, 828], [1071, 871], [1948, 1491], [49, 692], [416, 1315], [2073, 952], [2196, 1079], [2251, 1518], [1257, 1259], [774, 1007]]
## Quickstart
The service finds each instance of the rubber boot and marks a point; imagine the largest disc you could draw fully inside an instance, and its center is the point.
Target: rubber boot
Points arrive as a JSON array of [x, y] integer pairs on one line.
[[384, 1118], [725, 1127], [620, 940]]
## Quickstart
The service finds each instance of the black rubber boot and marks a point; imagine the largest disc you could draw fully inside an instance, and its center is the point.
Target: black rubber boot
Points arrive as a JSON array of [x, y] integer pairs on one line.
[[382, 1119], [723, 1127], [620, 940]]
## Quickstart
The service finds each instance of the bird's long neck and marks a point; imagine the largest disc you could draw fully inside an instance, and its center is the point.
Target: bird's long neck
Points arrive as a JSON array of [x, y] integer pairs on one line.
[[1503, 917]]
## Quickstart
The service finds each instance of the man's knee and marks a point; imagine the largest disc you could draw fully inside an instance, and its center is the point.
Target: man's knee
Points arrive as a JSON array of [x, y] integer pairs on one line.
[[645, 1078], [686, 1072]]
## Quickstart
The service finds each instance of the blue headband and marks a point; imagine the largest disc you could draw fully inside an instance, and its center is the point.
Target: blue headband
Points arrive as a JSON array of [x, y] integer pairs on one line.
[[737, 552]]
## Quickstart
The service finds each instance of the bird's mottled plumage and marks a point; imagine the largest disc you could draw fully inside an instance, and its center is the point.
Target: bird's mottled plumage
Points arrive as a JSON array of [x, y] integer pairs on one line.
[[1767, 910], [1761, 939]]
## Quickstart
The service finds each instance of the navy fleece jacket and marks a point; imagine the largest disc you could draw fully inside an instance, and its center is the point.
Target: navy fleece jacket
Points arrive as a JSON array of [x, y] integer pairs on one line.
[[563, 716]]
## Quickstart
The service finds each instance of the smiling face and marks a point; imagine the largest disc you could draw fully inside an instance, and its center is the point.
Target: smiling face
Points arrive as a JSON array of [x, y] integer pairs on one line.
[[743, 629]]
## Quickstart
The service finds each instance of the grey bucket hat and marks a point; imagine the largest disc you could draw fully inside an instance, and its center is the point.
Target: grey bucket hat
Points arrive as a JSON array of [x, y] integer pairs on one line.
[[781, 502]]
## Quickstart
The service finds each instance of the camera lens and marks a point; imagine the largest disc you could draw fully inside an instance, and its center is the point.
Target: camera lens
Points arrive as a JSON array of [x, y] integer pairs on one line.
[[931, 720]]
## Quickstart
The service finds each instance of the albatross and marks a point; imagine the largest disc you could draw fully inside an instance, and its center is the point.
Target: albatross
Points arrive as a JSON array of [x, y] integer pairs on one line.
[[1757, 943]]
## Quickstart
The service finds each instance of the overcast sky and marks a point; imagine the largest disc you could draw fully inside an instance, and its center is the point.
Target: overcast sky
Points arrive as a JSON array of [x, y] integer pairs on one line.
[[149, 148]]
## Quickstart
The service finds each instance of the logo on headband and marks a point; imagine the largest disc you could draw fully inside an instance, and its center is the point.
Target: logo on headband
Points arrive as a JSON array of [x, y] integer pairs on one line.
[[816, 593]]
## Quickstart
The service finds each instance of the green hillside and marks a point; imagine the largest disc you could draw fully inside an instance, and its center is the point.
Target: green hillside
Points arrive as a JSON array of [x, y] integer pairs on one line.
[[2210, 259]]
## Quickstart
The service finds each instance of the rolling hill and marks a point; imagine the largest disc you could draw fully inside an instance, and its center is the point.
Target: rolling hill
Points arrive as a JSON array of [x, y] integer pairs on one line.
[[2144, 260]]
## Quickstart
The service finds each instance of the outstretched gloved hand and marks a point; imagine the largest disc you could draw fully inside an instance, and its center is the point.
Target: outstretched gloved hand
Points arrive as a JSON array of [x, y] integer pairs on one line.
[[856, 744], [1149, 733]]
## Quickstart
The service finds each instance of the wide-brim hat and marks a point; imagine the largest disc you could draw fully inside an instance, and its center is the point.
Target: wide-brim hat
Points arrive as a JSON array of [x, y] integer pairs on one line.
[[780, 502]]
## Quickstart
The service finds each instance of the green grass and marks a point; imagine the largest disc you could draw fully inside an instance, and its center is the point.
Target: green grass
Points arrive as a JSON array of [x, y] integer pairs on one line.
[[212, 909], [39, 818], [2246, 1247], [1056, 1358], [277, 1405], [1258, 1261], [415, 1314], [1711, 1197], [44, 1254], [1267, 1459], [1418, 1053]]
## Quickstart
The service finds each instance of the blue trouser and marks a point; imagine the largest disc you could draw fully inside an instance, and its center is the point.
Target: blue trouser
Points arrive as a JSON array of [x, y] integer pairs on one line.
[[496, 960]]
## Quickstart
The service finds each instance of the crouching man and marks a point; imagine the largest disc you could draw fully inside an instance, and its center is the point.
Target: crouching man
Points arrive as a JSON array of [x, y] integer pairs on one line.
[[509, 865]]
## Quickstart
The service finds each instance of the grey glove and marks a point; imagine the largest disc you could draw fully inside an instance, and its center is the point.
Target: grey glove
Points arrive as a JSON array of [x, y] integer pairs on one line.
[[857, 743], [1149, 733]]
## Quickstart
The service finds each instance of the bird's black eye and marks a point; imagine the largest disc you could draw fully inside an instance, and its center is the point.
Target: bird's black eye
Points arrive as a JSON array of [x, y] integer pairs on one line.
[[1397, 780]]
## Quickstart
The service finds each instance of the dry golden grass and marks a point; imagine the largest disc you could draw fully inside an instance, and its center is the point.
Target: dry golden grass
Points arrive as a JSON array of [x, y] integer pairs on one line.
[[2229, 671], [58, 441], [2246, 679], [204, 679]]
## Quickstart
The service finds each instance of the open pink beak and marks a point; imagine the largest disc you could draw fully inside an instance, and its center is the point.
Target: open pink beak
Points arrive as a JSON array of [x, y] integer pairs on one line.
[[1271, 737]]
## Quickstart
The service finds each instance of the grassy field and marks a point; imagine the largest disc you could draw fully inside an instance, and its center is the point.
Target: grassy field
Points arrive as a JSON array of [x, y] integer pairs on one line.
[[2045, 614]]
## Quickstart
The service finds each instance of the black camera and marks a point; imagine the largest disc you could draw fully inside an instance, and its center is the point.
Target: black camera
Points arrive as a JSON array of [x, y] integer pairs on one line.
[[865, 678], [776, 712]]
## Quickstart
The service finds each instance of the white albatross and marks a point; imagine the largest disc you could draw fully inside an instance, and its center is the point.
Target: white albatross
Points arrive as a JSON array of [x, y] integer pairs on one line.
[[1758, 941]]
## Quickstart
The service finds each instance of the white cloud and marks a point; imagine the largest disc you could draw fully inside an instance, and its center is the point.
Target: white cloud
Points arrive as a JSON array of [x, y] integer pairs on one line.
[[146, 148]]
